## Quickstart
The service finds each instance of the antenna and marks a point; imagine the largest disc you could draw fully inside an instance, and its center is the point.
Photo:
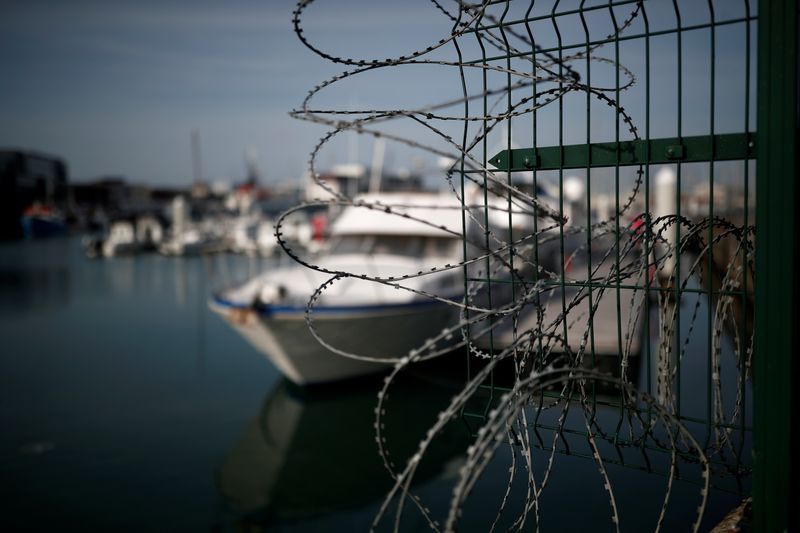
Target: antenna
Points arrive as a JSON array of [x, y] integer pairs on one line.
[[251, 165], [197, 165], [378, 150]]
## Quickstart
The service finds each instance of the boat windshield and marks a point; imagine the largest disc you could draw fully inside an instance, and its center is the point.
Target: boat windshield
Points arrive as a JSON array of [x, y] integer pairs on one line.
[[404, 245]]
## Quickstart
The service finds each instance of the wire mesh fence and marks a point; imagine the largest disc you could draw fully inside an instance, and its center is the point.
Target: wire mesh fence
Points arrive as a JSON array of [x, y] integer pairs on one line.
[[646, 231], [603, 158]]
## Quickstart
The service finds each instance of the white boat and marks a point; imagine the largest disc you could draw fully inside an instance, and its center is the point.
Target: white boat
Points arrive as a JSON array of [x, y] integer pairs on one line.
[[189, 238], [125, 236], [192, 241], [367, 318], [242, 234], [149, 231], [252, 235], [121, 239]]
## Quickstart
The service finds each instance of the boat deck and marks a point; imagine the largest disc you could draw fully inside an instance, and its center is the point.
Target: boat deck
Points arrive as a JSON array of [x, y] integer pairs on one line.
[[613, 328]]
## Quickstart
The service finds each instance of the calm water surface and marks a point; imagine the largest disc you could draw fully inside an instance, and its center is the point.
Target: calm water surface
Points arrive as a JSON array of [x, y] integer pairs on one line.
[[126, 405]]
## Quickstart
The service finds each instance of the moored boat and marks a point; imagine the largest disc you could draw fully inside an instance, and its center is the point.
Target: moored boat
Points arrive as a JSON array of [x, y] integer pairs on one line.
[[40, 221], [378, 321]]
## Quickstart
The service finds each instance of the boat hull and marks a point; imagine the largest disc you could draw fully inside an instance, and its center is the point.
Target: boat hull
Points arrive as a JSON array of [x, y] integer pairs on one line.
[[378, 332], [38, 227]]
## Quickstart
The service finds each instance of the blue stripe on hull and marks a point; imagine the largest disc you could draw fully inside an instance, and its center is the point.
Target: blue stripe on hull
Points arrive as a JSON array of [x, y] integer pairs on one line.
[[269, 310]]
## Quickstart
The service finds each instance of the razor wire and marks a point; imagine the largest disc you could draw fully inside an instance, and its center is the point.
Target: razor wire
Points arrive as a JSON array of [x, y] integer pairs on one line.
[[640, 252]]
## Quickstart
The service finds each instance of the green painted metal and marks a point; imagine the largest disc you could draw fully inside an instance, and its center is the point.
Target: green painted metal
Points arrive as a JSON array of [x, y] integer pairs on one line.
[[726, 147], [775, 148], [776, 421]]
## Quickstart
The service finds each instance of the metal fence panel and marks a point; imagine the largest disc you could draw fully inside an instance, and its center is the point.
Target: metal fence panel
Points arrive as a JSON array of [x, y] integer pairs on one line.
[[604, 154]]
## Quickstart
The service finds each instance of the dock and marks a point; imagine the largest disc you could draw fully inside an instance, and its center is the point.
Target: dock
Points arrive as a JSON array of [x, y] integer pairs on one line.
[[613, 328]]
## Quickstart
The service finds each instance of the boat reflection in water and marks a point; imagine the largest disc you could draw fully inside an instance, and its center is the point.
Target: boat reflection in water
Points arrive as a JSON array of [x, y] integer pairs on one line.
[[313, 451]]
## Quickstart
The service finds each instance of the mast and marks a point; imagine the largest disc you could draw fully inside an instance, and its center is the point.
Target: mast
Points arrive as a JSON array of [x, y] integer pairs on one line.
[[378, 150], [197, 169]]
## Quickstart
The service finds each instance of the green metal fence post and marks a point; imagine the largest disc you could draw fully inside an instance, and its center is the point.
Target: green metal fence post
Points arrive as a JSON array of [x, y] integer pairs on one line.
[[776, 369]]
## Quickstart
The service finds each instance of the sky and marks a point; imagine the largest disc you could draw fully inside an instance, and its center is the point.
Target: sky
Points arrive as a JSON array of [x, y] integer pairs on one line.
[[116, 87]]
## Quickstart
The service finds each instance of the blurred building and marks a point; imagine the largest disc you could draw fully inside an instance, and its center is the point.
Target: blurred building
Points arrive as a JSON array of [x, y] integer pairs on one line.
[[115, 195], [109, 192], [27, 178]]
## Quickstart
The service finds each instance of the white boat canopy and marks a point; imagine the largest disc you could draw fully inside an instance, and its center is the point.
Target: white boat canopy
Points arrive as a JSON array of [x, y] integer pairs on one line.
[[440, 210]]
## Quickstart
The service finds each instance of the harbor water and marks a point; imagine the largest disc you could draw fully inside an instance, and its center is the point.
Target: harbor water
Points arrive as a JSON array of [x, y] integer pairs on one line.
[[127, 405]]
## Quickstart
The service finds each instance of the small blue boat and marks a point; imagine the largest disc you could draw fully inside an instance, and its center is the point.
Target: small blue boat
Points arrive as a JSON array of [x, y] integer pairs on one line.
[[39, 221]]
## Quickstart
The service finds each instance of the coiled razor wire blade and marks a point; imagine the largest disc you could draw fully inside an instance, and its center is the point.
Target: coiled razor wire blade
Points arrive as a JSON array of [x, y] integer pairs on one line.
[[642, 248]]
